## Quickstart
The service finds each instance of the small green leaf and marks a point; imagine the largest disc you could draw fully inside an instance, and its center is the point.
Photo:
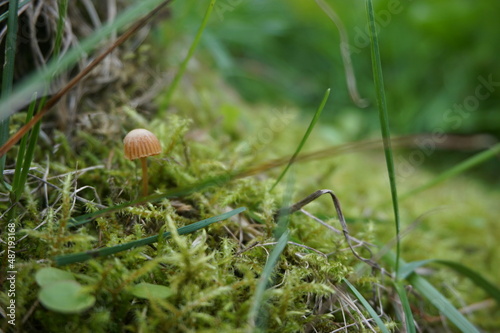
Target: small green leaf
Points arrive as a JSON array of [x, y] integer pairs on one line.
[[49, 275], [150, 291], [66, 297]]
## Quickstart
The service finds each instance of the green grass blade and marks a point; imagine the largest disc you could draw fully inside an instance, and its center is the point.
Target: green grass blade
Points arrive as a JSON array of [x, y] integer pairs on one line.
[[6, 14], [82, 256], [367, 306], [304, 139], [40, 80], [406, 269], [62, 7], [192, 49], [477, 278], [21, 152], [10, 49], [441, 303], [409, 321], [32, 144], [384, 122], [257, 318], [258, 301], [8, 76], [4, 136], [456, 170], [432, 294], [25, 155], [284, 213]]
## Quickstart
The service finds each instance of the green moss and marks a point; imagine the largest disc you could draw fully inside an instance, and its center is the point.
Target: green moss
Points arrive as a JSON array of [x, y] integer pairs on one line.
[[213, 273]]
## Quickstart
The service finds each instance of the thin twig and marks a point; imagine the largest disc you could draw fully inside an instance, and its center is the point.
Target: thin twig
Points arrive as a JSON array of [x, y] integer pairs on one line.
[[332, 228], [78, 172], [345, 53], [298, 206]]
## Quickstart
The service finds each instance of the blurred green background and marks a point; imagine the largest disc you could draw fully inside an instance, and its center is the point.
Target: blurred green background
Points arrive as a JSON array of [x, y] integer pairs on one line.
[[288, 52]]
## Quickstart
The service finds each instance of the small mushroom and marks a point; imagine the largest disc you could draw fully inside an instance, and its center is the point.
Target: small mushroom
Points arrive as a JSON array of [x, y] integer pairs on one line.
[[141, 143]]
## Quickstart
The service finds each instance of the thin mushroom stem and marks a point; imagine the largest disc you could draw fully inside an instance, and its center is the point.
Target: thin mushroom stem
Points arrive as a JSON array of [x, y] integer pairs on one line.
[[141, 143], [144, 176]]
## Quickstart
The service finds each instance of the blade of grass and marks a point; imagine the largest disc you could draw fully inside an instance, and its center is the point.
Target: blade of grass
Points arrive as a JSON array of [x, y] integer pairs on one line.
[[22, 148], [434, 296], [192, 48], [6, 14], [409, 321], [10, 49], [257, 319], [284, 213], [28, 158], [456, 170], [441, 303], [62, 8], [475, 277], [384, 122], [79, 257], [367, 306], [258, 302], [304, 138], [25, 153], [8, 76], [409, 268]]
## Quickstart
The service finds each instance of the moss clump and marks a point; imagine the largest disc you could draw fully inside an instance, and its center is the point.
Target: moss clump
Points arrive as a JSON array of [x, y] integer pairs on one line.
[[213, 273]]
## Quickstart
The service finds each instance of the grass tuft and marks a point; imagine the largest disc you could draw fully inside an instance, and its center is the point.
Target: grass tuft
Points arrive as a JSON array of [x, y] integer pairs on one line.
[[8, 77], [384, 122]]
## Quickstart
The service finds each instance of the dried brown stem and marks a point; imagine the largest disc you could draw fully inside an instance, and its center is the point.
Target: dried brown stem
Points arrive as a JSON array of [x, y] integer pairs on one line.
[[298, 206]]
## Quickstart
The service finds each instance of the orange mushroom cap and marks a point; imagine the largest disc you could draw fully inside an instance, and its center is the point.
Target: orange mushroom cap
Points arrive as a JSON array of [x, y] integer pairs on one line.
[[141, 143]]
